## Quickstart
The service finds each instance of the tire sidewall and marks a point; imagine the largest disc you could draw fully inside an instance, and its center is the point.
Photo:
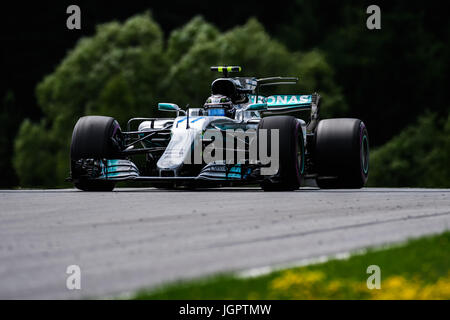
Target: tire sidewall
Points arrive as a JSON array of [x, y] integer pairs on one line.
[[290, 171], [94, 137], [364, 159], [341, 151]]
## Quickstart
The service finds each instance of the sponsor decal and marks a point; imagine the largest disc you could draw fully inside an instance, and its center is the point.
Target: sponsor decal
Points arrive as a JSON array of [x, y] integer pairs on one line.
[[283, 100]]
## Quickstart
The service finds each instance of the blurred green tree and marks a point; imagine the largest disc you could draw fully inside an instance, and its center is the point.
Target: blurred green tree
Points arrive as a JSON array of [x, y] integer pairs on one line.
[[387, 75], [117, 72], [418, 157], [252, 48], [125, 69]]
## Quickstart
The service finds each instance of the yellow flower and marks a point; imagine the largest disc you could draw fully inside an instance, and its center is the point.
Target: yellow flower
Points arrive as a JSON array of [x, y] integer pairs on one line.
[[334, 286], [291, 278], [297, 284], [394, 282]]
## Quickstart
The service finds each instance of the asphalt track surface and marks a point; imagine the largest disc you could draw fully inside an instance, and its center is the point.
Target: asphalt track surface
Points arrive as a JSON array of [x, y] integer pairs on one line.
[[134, 238]]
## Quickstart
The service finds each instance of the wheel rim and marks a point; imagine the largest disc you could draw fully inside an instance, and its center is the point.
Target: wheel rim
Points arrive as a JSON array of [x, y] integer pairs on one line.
[[365, 154]]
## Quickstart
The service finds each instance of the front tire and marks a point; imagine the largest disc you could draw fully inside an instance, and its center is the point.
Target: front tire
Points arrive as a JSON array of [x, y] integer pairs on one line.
[[342, 154], [94, 137], [291, 153]]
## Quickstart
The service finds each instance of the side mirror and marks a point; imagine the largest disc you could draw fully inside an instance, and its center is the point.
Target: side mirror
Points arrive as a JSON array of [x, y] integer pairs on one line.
[[256, 107], [168, 107]]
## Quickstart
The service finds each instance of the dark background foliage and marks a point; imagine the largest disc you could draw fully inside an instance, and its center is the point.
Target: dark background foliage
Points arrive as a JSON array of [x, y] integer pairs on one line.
[[395, 79]]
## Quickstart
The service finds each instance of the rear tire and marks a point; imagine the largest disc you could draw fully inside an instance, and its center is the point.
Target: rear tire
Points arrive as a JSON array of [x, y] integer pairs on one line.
[[291, 153], [341, 154], [94, 137]]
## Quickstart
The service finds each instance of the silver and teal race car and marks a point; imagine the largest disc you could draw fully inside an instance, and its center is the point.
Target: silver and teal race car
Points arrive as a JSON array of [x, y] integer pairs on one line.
[[237, 137]]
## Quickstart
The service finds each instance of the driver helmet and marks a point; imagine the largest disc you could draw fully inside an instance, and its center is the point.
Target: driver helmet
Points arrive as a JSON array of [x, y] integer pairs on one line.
[[219, 105]]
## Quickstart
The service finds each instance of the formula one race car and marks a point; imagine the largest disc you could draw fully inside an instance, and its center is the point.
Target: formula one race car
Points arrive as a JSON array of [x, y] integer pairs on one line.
[[234, 139]]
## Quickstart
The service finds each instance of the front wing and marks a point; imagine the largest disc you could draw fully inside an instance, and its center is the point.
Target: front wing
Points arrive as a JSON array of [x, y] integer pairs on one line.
[[126, 170]]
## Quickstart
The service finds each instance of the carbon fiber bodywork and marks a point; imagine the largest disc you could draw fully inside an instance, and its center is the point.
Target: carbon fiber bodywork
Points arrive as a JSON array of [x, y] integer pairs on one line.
[[159, 150]]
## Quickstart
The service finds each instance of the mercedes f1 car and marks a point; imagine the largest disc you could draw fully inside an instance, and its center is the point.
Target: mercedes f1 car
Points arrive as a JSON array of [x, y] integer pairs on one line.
[[189, 149]]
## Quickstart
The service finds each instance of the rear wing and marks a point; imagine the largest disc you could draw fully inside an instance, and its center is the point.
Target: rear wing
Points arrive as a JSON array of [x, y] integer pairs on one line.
[[279, 104], [241, 86], [284, 103]]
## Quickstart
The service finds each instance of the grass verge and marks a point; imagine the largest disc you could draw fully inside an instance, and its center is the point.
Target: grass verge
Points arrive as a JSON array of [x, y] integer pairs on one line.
[[419, 269]]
